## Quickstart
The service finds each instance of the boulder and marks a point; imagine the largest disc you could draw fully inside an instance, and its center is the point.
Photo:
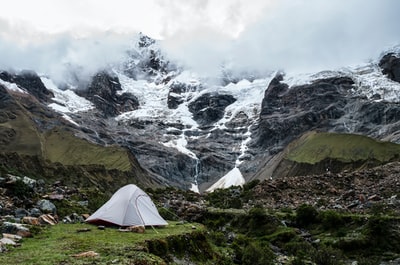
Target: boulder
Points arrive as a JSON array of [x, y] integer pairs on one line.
[[7, 241], [30, 220], [35, 212], [47, 219], [13, 237], [20, 213], [136, 229], [46, 206], [12, 228]]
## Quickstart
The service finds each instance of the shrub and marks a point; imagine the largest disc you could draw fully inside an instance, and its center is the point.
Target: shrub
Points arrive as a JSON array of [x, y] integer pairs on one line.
[[330, 219], [167, 214], [20, 189], [299, 249], [248, 252], [327, 256], [306, 215], [225, 198], [218, 238]]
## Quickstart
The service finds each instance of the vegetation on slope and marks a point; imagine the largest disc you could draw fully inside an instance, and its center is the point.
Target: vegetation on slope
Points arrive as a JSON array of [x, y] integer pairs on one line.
[[61, 146], [315, 147], [60, 243]]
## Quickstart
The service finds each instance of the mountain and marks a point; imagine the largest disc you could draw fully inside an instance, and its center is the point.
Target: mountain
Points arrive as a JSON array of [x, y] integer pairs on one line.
[[150, 121]]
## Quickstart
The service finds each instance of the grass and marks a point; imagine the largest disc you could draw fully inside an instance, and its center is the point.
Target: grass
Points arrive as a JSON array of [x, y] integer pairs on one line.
[[56, 245], [315, 147], [27, 140], [62, 146]]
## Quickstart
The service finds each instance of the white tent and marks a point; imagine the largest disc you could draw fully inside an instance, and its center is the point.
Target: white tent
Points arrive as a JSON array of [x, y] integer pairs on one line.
[[128, 206]]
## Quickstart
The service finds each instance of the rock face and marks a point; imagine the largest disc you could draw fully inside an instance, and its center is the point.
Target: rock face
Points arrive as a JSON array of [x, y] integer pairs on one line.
[[390, 64], [102, 91], [30, 81], [288, 113], [324, 105], [210, 108]]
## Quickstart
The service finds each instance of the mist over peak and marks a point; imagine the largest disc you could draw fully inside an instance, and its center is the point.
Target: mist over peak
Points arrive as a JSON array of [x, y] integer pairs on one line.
[[293, 36]]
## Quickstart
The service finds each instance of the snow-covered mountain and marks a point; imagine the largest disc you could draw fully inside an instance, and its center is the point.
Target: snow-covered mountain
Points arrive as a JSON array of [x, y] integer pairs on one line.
[[199, 134]]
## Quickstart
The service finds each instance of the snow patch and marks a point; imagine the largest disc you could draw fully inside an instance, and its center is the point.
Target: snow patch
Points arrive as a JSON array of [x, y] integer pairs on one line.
[[66, 101], [12, 87], [232, 178]]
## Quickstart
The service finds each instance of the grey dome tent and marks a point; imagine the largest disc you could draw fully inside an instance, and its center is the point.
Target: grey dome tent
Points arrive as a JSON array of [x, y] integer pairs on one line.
[[127, 207]]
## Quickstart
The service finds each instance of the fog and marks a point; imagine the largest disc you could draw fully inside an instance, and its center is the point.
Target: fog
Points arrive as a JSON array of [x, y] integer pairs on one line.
[[288, 35], [296, 36]]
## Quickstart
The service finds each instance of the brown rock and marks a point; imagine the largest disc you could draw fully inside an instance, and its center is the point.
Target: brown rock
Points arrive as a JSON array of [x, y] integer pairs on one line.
[[85, 216], [136, 229], [24, 233], [90, 253], [374, 198], [30, 220], [13, 237], [47, 219]]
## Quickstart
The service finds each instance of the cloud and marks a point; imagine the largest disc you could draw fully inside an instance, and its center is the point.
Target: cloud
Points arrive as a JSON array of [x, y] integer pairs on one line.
[[298, 36], [61, 55], [251, 35]]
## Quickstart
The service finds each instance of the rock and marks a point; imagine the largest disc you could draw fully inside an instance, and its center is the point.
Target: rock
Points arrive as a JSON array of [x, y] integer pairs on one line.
[[390, 64], [24, 233], [12, 228], [83, 203], [83, 230], [86, 254], [47, 219], [13, 237], [20, 213], [30, 220], [35, 212], [73, 218], [136, 229], [47, 206], [85, 216], [56, 196], [7, 241], [374, 198]]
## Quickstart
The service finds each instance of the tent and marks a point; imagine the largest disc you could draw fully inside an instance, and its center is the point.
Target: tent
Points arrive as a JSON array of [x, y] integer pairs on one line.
[[127, 207]]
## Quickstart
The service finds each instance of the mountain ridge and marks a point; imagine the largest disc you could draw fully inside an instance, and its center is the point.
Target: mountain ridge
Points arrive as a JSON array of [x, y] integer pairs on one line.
[[188, 133]]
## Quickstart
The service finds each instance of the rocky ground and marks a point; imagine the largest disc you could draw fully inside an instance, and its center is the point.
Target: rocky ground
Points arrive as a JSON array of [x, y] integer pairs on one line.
[[27, 204], [352, 191]]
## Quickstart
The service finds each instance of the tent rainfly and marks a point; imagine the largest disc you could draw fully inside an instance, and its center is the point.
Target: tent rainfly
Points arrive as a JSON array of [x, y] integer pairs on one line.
[[127, 207]]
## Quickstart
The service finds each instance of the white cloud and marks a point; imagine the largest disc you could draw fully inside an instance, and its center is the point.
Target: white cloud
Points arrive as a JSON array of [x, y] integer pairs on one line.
[[295, 35]]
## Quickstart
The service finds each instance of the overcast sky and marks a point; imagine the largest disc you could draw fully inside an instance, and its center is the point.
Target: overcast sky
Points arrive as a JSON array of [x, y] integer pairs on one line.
[[292, 35]]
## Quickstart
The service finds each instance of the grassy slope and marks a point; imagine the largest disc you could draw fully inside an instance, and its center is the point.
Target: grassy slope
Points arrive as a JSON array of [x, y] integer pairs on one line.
[[315, 147], [62, 146], [57, 244], [27, 140]]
